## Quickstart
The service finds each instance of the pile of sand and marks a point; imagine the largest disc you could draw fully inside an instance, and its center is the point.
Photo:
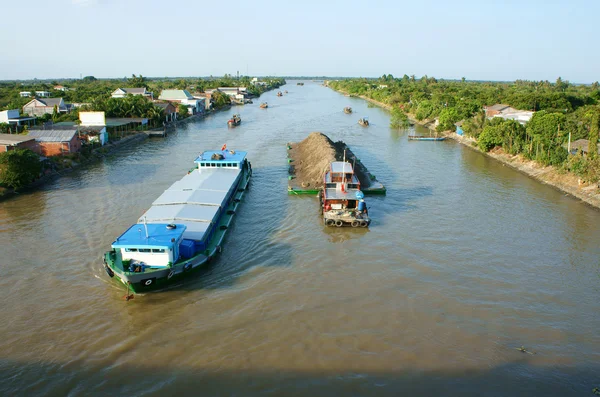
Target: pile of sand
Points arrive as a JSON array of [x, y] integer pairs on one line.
[[312, 157]]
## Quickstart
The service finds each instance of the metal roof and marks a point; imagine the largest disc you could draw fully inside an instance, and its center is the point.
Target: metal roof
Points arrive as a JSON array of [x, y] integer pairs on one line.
[[229, 156], [198, 197], [218, 179], [341, 166], [175, 94], [13, 139], [158, 236], [50, 101], [181, 212], [52, 135]]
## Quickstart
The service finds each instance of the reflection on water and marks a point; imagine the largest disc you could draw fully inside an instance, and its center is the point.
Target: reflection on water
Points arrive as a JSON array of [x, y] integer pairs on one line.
[[464, 261]]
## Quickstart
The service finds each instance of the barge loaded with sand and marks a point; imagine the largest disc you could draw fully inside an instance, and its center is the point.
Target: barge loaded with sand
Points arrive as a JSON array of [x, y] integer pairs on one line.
[[185, 226], [309, 160]]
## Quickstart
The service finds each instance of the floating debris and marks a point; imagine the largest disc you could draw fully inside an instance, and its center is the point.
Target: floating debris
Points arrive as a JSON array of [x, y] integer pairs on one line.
[[523, 350]]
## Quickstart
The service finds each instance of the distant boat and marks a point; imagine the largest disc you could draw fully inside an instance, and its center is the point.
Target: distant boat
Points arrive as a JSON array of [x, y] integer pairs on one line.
[[426, 138], [234, 120], [347, 110], [299, 83], [363, 121], [264, 105], [279, 93], [285, 92]]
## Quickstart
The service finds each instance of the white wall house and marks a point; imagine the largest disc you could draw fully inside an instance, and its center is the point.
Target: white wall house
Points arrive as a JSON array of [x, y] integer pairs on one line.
[[25, 94], [195, 105], [123, 92], [13, 117], [93, 125], [43, 94]]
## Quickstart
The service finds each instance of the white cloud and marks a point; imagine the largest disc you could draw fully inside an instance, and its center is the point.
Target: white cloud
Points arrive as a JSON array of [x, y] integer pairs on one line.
[[84, 3]]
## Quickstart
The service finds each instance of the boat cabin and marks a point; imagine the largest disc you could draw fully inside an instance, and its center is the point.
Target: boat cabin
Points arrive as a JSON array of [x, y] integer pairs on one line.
[[150, 245], [212, 159], [341, 173]]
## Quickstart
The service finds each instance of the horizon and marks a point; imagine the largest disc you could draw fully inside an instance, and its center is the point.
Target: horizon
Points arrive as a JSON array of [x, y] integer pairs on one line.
[[529, 40]]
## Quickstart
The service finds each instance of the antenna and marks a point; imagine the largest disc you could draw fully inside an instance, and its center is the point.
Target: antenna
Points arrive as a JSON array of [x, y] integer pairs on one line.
[[145, 226], [344, 171]]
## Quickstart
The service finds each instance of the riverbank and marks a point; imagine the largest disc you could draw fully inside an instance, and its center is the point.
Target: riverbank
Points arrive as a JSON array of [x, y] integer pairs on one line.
[[95, 155], [566, 182]]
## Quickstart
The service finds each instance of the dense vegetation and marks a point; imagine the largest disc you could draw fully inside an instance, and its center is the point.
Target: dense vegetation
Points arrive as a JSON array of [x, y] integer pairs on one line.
[[19, 167], [95, 93], [562, 109]]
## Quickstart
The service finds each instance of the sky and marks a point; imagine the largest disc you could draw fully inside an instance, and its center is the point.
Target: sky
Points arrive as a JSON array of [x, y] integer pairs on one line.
[[479, 40]]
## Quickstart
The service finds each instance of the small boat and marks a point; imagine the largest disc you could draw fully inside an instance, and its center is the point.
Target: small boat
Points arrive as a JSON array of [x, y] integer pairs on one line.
[[299, 83], [285, 92], [426, 138], [363, 121], [342, 201], [347, 110], [185, 227], [264, 105], [234, 120], [279, 93]]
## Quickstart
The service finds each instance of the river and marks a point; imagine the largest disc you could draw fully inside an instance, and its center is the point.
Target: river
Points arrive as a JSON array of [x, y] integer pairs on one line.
[[466, 260]]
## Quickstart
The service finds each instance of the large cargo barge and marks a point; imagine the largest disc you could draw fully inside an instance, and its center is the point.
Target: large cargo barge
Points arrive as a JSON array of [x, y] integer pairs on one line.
[[185, 226]]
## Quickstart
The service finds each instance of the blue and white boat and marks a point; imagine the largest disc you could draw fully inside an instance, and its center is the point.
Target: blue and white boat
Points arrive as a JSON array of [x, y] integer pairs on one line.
[[185, 226]]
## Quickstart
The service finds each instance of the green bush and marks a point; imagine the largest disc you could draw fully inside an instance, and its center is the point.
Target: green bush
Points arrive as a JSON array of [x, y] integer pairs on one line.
[[19, 167]]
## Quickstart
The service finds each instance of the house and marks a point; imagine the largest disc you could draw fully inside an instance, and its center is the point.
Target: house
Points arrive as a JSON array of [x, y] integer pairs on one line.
[[56, 142], [25, 94], [13, 117], [194, 105], [459, 130], [236, 93], [43, 94], [93, 127], [123, 92], [382, 86], [39, 106], [60, 88], [581, 146], [522, 116], [169, 109], [491, 111], [16, 141]]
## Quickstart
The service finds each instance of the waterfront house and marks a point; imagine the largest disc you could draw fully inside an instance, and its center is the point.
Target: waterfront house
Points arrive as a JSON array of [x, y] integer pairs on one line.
[[16, 141], [25, 94], [93, 127], [236, 93], [169, 110], [123, 92], [459, 130], [581, 146], [194, 105], [41, 106], [56, 142], [522, 116], [12, 117], [491, 111]]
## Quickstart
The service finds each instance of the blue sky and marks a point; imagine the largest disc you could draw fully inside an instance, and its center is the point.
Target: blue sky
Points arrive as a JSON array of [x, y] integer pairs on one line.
[[493, 40]]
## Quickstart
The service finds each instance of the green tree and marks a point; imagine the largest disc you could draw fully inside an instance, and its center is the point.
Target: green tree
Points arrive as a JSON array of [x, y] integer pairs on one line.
[[399, 119], [448, 117], [55, 113], [19, 167], [182, 111], [593, 144]]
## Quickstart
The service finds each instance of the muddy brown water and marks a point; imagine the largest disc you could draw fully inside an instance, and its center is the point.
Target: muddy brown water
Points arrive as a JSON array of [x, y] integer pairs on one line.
[[466, 260]]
